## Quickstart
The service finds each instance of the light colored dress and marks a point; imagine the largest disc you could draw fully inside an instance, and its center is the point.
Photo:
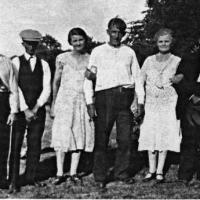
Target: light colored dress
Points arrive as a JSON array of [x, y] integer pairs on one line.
[[160, 129], [72, 129]]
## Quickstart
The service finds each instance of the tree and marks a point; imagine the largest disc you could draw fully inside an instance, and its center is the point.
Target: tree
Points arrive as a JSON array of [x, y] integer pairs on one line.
[[50, 42], [182, 16], [91, 44]]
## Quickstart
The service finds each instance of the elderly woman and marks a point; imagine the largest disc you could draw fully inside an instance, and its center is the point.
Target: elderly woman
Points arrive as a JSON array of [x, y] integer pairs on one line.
[[72, 129], [160, 131]]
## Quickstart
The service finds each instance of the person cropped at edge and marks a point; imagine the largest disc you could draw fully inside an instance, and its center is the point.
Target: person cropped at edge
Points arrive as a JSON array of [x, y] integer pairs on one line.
[[9, 105], [33, 75], [160, 130], [117, 73], [72, 129], [189, 107]]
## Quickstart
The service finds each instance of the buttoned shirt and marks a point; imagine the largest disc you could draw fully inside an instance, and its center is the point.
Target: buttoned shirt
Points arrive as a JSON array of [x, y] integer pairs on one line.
[[8, 78], [46, 81], [116, 67]]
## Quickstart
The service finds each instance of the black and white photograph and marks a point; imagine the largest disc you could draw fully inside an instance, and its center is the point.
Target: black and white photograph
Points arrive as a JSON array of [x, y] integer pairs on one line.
[[100, 99]]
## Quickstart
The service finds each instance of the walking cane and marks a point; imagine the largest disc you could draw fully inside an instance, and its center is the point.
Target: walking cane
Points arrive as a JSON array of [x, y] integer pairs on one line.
[[9, 152]]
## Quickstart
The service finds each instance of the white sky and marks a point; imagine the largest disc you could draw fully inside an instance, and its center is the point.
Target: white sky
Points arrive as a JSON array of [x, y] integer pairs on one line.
[[57, 17]]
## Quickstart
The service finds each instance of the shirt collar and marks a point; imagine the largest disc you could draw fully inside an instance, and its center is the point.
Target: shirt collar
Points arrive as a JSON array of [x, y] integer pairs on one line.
[[27, 56]]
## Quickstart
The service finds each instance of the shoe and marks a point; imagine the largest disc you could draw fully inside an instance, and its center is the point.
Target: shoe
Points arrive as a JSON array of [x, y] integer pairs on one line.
[[36, 183], [4, 184], [150, 176], [13, 189], [75, 179], [101, 186], [184, 181], [161, 179], [58, 180], [127, 181]]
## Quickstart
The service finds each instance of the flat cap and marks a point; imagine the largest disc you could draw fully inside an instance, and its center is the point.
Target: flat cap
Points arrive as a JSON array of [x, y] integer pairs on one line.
[[30, 35]]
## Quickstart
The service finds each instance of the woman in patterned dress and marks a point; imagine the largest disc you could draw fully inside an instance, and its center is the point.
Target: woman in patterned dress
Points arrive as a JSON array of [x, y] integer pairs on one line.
[[72, 129], [160, 130]]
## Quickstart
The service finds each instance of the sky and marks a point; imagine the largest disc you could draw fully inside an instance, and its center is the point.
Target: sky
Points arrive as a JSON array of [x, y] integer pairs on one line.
[[57, 17]]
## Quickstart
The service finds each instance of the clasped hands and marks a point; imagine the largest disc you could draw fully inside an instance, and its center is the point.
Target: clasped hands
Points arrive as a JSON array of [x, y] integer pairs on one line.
[[91, 111], [31, 114], [139, 114]]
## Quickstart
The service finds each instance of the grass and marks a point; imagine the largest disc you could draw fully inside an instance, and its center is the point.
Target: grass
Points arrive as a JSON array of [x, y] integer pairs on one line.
[[171, 189]]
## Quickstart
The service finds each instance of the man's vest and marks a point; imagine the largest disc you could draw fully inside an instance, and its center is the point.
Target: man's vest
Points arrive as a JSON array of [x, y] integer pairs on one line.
[[30, 82]]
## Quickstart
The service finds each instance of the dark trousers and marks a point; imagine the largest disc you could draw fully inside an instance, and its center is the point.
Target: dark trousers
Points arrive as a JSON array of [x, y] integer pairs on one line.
[[4, 134], [113, 105], [190, 152], [35, 131]]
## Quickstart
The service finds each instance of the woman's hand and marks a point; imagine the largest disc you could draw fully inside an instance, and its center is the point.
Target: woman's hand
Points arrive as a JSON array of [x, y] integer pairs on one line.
[[176, 78], [91, 111]]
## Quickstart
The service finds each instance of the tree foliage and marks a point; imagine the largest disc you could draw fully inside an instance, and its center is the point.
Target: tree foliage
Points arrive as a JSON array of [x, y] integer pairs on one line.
[[182, 16], [50, 42], [91, 44]]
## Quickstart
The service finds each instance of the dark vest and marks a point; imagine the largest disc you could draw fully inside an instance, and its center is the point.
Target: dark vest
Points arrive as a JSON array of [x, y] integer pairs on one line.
[[30, 82]]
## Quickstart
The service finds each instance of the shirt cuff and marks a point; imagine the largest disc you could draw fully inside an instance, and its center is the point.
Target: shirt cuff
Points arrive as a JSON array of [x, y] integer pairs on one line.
[[191, 97], [140, 99]]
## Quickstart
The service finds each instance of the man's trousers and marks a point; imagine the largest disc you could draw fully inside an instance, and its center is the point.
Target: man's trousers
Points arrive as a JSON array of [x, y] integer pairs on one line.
[[113, 105]]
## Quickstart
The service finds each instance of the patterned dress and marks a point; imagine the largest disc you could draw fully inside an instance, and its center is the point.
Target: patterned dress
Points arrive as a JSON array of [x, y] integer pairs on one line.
[[72, 129], [160, 129]]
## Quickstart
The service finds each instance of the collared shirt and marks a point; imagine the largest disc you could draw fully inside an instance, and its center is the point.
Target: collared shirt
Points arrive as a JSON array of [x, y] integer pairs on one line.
[[46, 81], [116, 67], [8, 78]]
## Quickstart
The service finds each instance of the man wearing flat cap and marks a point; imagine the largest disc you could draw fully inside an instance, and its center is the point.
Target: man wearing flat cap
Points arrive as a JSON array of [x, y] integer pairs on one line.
[[33, 75]]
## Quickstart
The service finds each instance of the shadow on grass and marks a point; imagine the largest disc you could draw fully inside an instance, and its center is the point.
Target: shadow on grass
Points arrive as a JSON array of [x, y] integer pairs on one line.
[[139, 160]]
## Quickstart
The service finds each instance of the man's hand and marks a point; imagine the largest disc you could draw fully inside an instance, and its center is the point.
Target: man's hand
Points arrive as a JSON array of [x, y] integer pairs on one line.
[[11, 119], [91, 111], [90, 75], [35, 109], [140, 111], [195, 99], [176, 78], [29, 115]]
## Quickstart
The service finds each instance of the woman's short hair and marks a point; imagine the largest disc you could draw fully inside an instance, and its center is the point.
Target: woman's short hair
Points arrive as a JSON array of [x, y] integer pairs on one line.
[[117, 22], [77, 31], [161, 32]]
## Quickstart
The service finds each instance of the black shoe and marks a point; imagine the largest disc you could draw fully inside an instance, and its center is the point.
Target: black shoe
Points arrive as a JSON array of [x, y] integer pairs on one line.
[[127, 181], [184, 182], [36, 183], [160, 180], [75, 179], [58, 180], [150, 176], [4, 184], [13, 189], [101, 186]]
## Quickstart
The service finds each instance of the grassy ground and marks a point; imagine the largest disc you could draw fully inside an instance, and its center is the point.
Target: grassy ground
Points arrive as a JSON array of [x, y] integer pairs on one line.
[[171, 189]]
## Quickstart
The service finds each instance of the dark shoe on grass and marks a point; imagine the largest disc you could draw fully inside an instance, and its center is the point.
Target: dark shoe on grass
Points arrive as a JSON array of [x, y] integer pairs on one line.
[[58, 180], [150, 176]]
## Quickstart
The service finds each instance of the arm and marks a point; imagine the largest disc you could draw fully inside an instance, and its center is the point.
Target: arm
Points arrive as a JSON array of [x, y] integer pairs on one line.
[[139, 85], [91, 72], [46, 87], [14, 96], [56, 84], [89, 95]]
